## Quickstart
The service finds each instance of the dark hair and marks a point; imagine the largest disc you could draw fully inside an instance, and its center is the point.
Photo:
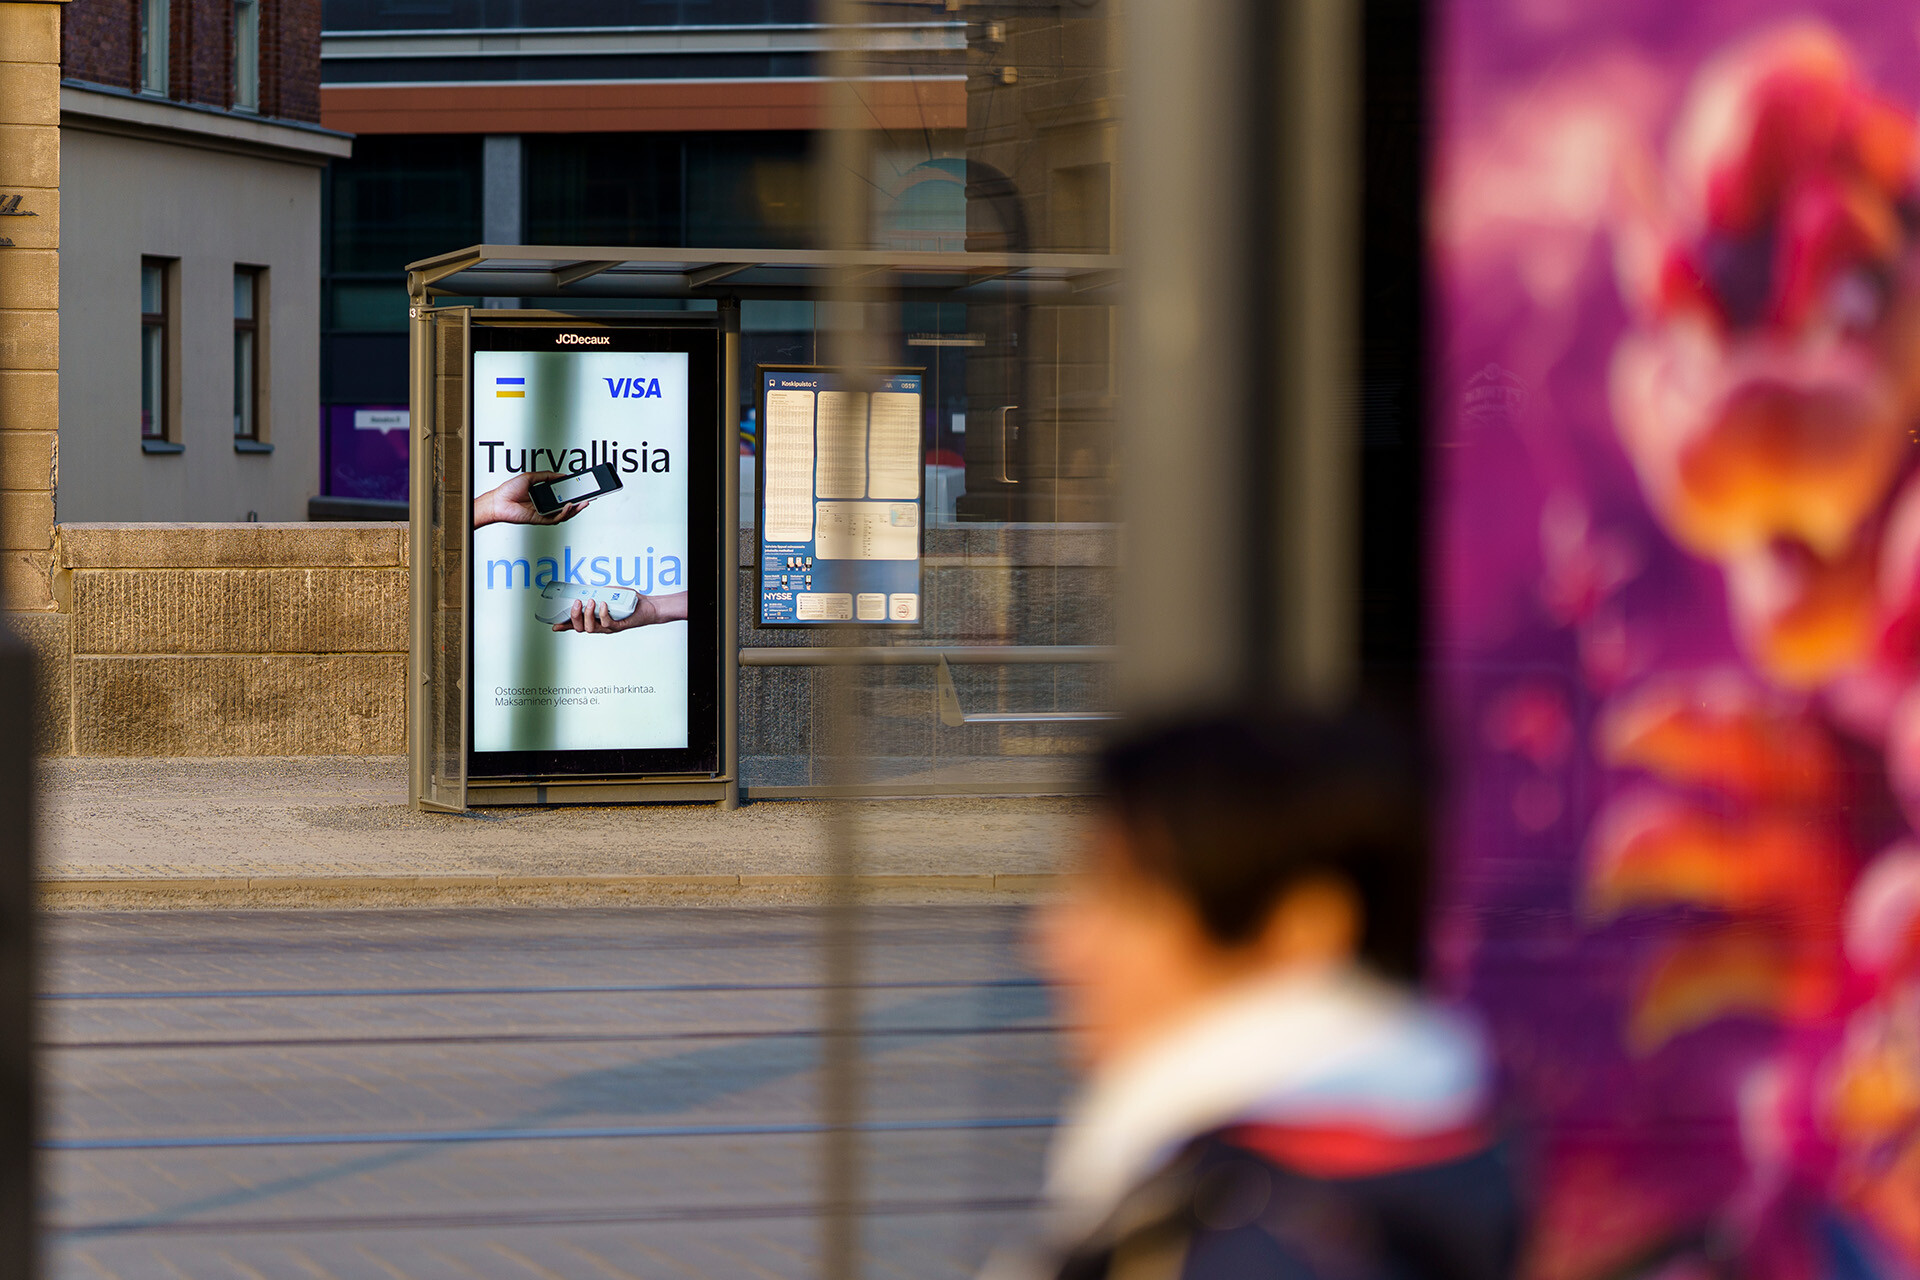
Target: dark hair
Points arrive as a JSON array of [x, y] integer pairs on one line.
[[1233, 811]]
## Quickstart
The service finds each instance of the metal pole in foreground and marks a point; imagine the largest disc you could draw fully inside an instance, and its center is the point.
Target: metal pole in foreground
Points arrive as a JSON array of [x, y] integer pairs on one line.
[[19, 1241], [843, 178], [30, 154], [1237, 436]]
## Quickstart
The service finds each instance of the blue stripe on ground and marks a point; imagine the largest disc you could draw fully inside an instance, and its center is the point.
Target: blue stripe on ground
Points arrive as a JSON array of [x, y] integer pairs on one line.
[[639, 988], [199, 1141]]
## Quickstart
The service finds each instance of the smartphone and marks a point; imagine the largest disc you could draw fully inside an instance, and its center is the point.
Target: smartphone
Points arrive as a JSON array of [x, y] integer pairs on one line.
[[582, 486], [556, 602]]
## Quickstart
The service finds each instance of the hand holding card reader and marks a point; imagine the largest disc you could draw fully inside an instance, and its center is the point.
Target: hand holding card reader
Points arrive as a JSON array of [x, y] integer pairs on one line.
[[551, 496], [556, 602]]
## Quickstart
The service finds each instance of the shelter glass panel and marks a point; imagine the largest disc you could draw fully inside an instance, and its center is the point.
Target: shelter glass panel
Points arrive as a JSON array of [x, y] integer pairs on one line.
[[444, 450]]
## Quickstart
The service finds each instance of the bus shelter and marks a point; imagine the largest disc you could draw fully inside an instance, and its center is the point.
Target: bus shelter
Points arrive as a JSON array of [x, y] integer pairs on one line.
[[530, 361]]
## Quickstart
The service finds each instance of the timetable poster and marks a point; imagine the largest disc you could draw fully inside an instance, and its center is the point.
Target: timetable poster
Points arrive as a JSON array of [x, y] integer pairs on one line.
[[840, 509]]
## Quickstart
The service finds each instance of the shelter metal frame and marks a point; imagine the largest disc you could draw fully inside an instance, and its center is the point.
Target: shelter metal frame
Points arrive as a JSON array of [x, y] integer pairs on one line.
[[598, 273], [727, 277]]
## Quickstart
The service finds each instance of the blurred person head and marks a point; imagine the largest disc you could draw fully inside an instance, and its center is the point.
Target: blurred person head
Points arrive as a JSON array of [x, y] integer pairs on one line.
[[1267, 1095], [1236, 847]]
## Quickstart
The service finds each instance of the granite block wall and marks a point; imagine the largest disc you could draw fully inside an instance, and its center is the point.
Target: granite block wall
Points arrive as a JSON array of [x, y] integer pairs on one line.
[[291, 639], [234, 639]]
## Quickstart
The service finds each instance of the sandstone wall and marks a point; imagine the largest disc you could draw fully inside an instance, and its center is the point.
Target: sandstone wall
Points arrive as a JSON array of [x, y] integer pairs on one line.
[[225, 639], [291, 639], [29, 297]]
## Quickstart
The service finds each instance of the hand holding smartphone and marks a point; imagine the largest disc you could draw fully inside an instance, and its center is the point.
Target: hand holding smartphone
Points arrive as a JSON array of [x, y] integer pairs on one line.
[[551, 496]]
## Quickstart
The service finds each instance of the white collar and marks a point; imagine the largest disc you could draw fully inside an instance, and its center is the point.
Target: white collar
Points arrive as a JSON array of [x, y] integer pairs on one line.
[[1335, 1045]]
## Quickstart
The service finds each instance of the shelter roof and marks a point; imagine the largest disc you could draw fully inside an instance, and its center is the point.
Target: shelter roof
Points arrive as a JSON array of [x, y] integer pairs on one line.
[[574, 271]]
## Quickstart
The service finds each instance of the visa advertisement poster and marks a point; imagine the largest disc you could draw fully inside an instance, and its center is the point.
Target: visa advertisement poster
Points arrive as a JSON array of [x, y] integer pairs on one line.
[[580, 540]]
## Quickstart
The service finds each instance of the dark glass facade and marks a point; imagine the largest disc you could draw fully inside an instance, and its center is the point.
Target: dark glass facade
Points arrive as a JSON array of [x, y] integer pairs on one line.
[[403, 198], [399, 199], [731, 190]]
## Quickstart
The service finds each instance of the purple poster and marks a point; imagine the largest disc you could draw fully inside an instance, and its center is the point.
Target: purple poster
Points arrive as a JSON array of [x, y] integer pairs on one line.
[[1676, 557], [366, 451]]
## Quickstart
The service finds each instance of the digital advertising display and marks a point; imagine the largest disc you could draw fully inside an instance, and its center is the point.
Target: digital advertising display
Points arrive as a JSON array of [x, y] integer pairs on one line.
[[593, 624], [840, 480]]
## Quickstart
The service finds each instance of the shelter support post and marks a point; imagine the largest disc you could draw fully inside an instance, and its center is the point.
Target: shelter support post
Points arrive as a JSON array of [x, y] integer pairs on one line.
[[419, 530], [1238, 477], [730, 553]]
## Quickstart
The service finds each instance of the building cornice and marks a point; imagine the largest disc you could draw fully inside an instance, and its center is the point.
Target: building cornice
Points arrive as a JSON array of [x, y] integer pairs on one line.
[[94, 108]]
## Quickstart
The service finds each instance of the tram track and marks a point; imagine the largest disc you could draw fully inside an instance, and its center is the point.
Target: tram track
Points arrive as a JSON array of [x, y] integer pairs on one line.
[[650, 988], [509, 1133], [564, 1037], [608, 1216], [373, 1084]]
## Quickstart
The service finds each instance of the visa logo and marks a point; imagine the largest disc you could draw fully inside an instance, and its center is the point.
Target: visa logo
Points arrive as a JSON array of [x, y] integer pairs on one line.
[[633, 388]]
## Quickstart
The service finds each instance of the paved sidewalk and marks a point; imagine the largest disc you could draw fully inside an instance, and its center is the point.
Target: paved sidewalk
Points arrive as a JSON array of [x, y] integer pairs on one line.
[[282, 829]]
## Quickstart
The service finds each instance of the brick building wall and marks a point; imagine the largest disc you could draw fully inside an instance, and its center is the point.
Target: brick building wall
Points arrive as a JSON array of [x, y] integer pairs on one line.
[[199, 68], [101, 45], [100, 42], [290, 59]]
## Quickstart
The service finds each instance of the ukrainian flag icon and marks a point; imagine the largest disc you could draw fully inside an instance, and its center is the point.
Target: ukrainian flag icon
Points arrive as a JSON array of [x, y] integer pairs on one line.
[[510, 388]]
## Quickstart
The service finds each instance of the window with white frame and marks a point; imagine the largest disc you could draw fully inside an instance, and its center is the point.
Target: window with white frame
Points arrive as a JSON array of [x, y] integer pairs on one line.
[[155, 36], [246, 54]]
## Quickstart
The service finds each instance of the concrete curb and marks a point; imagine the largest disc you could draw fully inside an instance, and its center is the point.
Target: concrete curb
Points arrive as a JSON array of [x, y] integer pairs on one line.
[[466, 882]]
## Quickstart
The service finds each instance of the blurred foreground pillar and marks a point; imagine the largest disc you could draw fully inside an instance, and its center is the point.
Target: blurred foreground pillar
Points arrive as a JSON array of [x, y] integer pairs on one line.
[[18, 1112], [854, 347], [29, 421], [1238, 441]]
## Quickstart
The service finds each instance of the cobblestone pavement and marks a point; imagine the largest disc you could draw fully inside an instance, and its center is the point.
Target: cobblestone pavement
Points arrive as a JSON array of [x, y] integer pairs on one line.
[[348, 816], [524, 1092]]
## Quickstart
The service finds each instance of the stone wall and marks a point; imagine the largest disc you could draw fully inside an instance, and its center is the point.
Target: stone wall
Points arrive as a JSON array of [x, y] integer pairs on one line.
[[225, 639], [291, 639], [29, 297]]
